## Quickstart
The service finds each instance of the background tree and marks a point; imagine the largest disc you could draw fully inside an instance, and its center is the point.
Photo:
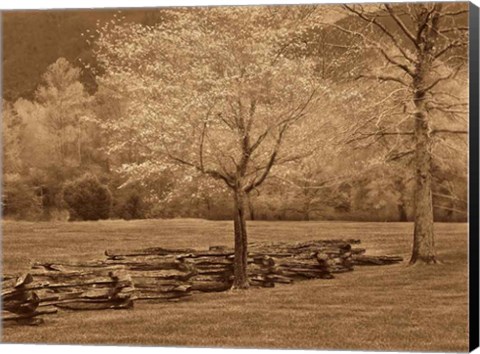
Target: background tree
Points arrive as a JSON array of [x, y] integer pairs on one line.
[[63, 123], [12, 132], [66, 105], [423, 46], [18, 195], [52, 139], [315, 185]]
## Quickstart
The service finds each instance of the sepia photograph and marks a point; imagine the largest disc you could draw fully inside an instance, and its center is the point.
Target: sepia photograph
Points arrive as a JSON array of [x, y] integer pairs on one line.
[[256, 176]]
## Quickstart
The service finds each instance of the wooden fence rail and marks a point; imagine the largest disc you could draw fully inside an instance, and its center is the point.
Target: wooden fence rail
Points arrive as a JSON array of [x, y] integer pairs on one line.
[[161, 274]]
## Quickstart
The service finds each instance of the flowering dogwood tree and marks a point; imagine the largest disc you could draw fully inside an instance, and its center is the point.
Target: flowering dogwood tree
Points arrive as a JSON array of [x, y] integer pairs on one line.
[[210, 92]]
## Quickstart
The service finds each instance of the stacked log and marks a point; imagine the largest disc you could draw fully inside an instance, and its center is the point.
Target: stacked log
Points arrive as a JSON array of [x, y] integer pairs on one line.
[[156, 273], [307, 260], [213, 269], [363, 260], [21, 302], [159, 273], [170, 275], [83, 286]]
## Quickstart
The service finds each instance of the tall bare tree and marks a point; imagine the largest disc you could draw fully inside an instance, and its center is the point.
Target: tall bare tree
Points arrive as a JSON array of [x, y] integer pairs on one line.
[[422, 48]]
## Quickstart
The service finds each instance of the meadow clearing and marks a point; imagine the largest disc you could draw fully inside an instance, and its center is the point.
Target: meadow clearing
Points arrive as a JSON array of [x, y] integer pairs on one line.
[[372, 308]]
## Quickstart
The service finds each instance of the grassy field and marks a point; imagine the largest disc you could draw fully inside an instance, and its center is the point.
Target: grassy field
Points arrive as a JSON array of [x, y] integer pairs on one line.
[[385, 308]]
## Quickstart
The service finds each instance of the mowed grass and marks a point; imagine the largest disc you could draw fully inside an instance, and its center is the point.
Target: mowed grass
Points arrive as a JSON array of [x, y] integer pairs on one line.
[[419, 308]]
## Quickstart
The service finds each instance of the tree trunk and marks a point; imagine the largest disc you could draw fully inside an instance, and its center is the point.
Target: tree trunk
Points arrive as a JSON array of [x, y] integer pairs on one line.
[[401, 205], [402, 213], [251, 208], [240, 229], [306, 215], [208, 205], [79, 147], [423, 236], [306, 205]]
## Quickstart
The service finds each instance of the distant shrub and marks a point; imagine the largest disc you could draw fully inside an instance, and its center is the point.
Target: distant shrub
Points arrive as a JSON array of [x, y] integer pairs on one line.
[[19, 199], [131, 207], [87, 198]]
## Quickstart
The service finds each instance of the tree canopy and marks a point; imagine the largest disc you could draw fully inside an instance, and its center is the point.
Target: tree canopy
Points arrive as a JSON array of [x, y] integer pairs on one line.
[[169, 106]]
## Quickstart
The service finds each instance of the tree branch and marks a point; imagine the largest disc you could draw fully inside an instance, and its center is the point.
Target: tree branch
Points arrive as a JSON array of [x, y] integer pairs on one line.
[[443, 78], [450, 209], [402, 26], [449, 197], [215, 174], [399, 155], [448, 131], [384, 78], [255, 183], [454, 29], [392, 38], [378, 134], [455, 44], [454, 13]]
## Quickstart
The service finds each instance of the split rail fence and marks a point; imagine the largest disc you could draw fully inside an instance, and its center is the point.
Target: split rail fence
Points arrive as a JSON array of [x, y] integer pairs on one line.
[[160, 274]]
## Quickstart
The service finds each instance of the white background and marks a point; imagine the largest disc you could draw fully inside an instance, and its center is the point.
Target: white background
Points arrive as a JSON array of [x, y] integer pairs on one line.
[[46, 4], [69, 349]]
